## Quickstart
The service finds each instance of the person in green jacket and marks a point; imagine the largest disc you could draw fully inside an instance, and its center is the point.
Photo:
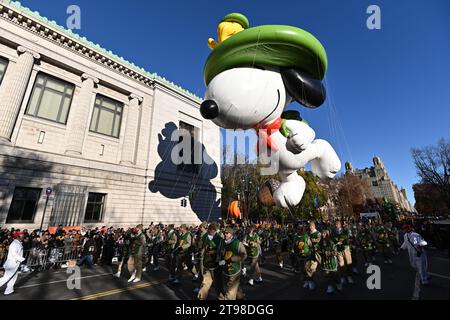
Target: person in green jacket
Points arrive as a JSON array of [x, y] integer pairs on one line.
[[276, 237], [137, 253], [341, 238], [303, 252], [170, 241], [329, 264], [384, 244], [210, 246], [253, 247], [182, 252], [314, 259], [197, 243], [233, 254], [367, 242]]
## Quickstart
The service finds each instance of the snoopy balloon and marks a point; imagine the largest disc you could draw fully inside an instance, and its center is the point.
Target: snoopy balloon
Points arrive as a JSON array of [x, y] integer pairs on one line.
[[252, 74]]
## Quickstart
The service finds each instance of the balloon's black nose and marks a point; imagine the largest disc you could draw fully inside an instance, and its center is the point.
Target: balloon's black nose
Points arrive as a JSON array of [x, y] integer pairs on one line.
[[209, 109]]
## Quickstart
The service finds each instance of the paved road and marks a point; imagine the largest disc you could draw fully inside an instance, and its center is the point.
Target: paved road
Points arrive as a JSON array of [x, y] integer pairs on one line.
[[397, 282]]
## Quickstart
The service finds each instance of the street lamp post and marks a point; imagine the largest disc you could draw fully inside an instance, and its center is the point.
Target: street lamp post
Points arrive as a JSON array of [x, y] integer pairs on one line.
[[245, 187], [48, 192]]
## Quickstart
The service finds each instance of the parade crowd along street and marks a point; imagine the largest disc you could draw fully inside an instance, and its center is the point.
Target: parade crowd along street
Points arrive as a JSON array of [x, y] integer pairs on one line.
[[219, 255]]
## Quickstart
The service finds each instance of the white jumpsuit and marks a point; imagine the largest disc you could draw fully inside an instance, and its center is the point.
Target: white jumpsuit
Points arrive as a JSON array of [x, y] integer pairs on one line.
[[15, 257], [420, 264]]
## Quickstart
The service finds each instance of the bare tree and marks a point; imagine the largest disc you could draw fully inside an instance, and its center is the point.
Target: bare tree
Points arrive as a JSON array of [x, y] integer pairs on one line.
[[433, 166], [352, 193]]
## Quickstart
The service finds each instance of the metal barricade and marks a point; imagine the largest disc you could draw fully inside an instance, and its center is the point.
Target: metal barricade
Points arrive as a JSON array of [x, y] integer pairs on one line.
[[47, 258]]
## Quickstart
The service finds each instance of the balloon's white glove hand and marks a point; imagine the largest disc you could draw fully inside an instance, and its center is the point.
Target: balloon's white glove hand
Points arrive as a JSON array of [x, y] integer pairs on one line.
[[300, 137], [222, 262]]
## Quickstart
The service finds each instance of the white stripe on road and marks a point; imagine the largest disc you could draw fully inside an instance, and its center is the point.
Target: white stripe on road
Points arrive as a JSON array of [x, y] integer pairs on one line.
[[439, 275], [51, 282]]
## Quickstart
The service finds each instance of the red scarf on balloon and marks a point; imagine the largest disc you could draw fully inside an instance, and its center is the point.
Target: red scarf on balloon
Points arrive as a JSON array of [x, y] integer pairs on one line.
[[264, 133]]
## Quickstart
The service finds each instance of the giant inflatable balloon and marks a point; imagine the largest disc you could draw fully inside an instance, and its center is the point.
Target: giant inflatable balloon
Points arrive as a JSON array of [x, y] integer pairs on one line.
[[251, 75], [233, 210]]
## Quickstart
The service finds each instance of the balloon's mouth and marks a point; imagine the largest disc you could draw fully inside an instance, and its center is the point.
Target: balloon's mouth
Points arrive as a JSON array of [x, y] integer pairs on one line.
[[274, 109]]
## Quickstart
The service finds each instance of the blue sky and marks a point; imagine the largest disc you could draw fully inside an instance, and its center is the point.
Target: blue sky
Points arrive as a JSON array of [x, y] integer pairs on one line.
[[388, 89]]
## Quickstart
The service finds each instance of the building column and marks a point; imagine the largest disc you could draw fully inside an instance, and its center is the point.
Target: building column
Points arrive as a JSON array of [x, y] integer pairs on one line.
[[131, 130], [80, 116], [13, 90]]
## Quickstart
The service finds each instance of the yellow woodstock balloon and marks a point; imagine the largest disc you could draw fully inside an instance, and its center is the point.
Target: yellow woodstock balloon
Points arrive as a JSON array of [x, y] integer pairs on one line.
[[229, 26]]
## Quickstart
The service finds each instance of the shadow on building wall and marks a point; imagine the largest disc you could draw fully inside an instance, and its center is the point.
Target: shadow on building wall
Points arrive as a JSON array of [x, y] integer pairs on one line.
[[23, 170], [174, 181]]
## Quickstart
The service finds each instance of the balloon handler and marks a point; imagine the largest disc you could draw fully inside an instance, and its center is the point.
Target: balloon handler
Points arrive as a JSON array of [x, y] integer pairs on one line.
[[252, 75]]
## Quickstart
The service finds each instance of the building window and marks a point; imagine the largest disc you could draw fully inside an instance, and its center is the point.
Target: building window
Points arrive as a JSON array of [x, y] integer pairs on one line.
[[106, 116], [188, 167], [94, 208], [23, 205], [3, 65], [50, 99], [375, 183]]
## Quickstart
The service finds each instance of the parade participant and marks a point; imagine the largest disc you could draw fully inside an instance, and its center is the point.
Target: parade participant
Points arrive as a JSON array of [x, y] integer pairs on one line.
[[329, 261], [156, 239], [240, 231], [12, 264], [341, 237], [210, 246], [232, 255], [253, 248], [372, 230], [354, 246], [383, 243], [290, 237], [182, 251], [171, 239], [366, 242], [124, 242], [136, 255], [149, 246], [393, 237], [303, 252], [275, 236], [197, 248], [311, 265], [415, 244], [264, 236]]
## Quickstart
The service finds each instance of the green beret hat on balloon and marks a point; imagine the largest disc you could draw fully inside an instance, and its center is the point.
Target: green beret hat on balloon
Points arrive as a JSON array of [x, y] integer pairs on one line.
[[272, 45]]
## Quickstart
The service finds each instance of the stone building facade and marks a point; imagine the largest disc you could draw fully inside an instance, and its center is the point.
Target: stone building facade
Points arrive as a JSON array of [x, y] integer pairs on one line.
[[381, 184], [97, 130]]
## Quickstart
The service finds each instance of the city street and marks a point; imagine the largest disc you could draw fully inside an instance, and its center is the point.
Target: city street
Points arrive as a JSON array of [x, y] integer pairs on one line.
[[397, 282]]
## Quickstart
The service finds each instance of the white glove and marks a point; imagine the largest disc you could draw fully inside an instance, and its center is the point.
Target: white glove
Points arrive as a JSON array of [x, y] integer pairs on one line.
[[222, 262]]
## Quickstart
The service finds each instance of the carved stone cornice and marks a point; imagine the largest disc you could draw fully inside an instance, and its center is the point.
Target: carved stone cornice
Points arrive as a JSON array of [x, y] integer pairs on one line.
[[49, 30], [22, 49]]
